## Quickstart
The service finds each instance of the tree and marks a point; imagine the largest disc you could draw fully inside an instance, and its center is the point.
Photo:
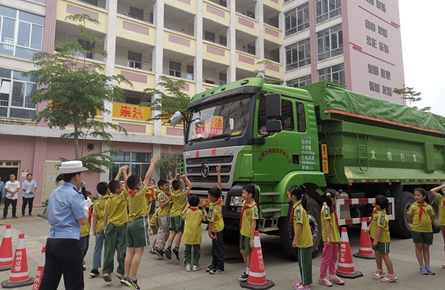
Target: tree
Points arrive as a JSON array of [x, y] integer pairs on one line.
[[410, 96], [75, 90], [171, 99], [168, 162]]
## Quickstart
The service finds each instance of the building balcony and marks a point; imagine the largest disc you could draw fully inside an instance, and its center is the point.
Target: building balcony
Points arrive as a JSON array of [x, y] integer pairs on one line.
[[186, 5], [135, 30], [216, 53], [66, 8], [275, 4], [179, 42], [216, 13], [274, 70], [273, 34], [140, 79], [247, 24], [246, 61]]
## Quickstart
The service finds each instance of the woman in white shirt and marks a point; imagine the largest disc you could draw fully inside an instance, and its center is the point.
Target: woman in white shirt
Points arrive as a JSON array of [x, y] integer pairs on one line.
[[12, 187]]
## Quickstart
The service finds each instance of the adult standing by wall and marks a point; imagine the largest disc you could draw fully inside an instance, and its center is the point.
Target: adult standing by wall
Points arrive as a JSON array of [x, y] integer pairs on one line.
[[65, 214], [29, 187], [12, 188]]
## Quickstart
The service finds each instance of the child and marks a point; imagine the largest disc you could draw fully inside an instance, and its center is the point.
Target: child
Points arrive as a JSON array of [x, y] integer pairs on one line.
[[302, 237], [421, 215], [248, 218], [115, 222], [137, 226], [154, 224], [441, 200], [176, 227], [163, 217], [192, 233], [98, 226], [216, 227], [331, 239], [151, 196], [379, 233], [85, 229]]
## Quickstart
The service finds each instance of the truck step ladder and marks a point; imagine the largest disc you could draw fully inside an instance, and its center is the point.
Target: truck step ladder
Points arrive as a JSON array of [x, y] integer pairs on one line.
[[362, 151]]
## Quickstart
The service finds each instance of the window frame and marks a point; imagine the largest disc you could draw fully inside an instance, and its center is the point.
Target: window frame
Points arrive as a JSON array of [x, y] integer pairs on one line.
[[331, 71], [325, 42], [132, 61], [294, 52], [325, 11], [172, 71], [299, 82]]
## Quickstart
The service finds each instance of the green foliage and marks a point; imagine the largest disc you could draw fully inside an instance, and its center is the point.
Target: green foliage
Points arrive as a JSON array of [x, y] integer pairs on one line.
[[168, 162], [410, 96], [75, 91], [169, 98]]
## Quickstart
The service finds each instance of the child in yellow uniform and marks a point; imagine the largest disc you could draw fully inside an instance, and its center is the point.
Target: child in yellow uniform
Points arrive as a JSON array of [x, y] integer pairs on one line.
[[85, 229], [248, 218], [163, 217], [137, 226], [98, 226], [154, 224], [216, 227], [441, 200], [176, 227], [379, 233], [302, 237], [331, 239], [115, 222], [193, 218], [421, 215]]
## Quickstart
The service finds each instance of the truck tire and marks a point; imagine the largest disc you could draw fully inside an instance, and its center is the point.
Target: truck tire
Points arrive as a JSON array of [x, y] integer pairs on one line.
[[400, 225], [435, 205], [287, 234]]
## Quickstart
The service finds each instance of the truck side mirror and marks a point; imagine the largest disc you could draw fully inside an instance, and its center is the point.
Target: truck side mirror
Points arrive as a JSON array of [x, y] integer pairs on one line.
[[273, 106]]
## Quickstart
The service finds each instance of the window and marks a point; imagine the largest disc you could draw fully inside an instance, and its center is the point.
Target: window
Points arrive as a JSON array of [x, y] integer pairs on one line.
[[137, 162], [298, 55], [175, 69], [209, 36], [301, 81], [326, 9], [222, 78], [288, 115], [134, 60], [223, 3], [251, 14], [223, 40], [334, 74], [301, 118], [251, 49], [92, 2], [297, 20], [330, 42], [16, 92], [190, 72], [88, 49], [136, 13], [29, 28]]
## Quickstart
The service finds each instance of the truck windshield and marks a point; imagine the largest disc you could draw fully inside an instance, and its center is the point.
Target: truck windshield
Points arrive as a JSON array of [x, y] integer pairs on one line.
[[224, 118]]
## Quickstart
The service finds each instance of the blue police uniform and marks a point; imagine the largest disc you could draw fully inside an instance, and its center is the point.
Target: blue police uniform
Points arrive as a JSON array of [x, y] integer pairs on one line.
[[63, 254]]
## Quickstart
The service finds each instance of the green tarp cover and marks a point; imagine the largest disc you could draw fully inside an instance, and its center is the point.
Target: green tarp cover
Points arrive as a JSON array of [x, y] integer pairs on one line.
[[334, 99]]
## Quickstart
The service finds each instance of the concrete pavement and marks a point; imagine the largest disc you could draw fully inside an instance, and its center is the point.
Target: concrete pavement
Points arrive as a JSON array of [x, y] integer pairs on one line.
[[157, 274]]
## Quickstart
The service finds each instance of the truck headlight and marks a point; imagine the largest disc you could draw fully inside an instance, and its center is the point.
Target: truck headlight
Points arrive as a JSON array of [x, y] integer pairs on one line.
[[236, 201]]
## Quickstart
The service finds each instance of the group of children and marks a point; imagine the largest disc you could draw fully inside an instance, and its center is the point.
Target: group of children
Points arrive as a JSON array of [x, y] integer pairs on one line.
[[420, 214]]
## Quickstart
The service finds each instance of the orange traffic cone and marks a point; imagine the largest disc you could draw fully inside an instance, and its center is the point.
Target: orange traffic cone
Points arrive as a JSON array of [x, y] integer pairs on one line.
[[365, 250], [257, 271], [19, 276], [6, 250], [345, 266], [40, 268]]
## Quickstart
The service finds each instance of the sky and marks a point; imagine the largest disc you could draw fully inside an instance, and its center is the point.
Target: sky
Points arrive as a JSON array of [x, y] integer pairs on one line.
[[423, 44]]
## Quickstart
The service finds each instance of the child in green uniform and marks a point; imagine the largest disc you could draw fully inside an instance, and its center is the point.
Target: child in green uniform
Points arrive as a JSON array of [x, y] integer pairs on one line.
[[163, 217], [115, 221], [176, 227], [379, 233], [441, 212], [302, 236], [193, 218], [248, 218], [98, 226], [137, 226], [154, 224], [421, 215]]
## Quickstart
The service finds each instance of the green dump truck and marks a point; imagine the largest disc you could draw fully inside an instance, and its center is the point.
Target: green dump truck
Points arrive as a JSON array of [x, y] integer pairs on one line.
[[320, 136]]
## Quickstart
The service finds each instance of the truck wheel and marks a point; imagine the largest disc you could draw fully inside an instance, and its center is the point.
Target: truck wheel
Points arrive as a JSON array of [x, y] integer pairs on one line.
[[400, 225], [287, 234], [435, 205]]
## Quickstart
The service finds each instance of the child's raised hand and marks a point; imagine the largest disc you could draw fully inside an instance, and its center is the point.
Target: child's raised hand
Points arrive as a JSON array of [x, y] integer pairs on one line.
[[124, 168], [154, 159], [184, 176], [218, 168]]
